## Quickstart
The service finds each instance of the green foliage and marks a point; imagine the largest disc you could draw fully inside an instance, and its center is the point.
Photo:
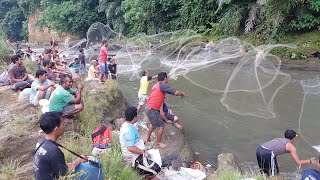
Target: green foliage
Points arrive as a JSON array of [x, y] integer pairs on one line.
[[4, 52], [12, 23], [68, 16]]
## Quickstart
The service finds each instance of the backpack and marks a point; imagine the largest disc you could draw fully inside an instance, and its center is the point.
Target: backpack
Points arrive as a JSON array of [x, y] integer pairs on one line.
[[145, 166], [101, 137], [88, 171]]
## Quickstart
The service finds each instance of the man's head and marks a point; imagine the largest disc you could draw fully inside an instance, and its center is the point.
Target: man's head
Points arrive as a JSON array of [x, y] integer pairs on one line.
[[290, 134], [81, 50], [46, 63], [162, 76], [144, 72], [16, 59], [105, 43], [47, 51], [131, 114], [41, 75], [56, 58], [66, 81], [52, 123], [94, 63], [112, 61]]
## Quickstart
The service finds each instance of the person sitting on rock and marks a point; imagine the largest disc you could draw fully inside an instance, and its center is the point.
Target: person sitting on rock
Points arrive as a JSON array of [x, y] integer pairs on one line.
[[49, 161], [50, 74], [154, 103], [93, 73], [131, 142], [64, 99], [18, 75], [41, 87], [267, 153], [168, 117], [47, 54], [113, 69]]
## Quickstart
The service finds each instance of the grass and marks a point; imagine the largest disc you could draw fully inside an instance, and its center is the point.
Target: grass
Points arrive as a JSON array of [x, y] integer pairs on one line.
[[7, 169], [17, 126], [235, 175], [90, 118]]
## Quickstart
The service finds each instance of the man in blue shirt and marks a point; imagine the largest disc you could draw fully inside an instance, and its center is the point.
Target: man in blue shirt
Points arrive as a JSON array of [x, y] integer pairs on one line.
[[41, 88]]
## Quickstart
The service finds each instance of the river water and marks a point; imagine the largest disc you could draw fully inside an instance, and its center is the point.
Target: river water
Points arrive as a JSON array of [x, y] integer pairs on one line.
[[211, 129]]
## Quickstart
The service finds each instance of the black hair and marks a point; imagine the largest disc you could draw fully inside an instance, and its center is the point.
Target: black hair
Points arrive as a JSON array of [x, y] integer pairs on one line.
[[51, 64], [81, 50], [45, 63], [130, 113], [55, 56], [64, 77], [50, 120], [143, 72], [40, 72], [290, 134], [47, 50], [162, 76], [104, 41], [15, 58]]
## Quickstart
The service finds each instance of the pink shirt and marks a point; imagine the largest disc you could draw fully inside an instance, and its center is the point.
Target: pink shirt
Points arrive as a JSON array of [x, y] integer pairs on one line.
[[103, 55]]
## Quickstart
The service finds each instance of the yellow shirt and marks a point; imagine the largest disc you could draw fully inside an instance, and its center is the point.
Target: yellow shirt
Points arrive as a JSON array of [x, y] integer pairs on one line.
[[91, 72], [144, 83]]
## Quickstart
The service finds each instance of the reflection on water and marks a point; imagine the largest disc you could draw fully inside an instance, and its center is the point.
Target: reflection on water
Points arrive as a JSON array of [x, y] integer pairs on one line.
[[211, 129]]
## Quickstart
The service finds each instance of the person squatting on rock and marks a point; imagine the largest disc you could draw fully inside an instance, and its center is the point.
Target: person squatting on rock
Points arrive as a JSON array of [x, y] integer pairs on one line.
[[267, 153], [49, 162], [131, 142], [144, 84], [64, 99], [18, 75], [41, 87], [154, 103]]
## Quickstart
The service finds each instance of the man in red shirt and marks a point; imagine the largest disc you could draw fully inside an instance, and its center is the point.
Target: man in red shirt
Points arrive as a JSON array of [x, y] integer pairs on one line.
[[155, 100], [103, 60]]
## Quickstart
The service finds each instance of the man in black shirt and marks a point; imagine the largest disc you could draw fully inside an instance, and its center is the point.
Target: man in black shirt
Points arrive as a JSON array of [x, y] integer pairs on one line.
[[49, 162]]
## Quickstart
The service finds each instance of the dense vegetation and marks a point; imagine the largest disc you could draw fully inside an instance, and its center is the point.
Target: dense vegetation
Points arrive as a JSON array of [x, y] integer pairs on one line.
[[265, 19]]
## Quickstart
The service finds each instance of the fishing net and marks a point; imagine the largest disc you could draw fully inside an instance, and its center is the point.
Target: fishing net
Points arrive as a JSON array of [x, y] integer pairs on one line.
[[248, 77], [308, 121]]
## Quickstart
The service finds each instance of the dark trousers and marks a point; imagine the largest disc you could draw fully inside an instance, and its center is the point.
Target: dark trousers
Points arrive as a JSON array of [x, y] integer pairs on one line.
[[264, 157]]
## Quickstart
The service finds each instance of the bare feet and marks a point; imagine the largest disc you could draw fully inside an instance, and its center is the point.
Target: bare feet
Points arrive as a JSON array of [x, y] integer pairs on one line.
[[161, 145], [177, 125]]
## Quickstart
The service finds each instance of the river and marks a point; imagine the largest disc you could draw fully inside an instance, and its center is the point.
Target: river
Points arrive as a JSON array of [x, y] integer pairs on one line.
[[211, 129]]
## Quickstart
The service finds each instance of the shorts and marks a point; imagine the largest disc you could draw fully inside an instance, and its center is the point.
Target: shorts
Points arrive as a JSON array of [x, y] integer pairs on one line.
[[24, 84], [103, 69], [68, 109], [142, 99], [155, 118], [35, 101], [169, 116]]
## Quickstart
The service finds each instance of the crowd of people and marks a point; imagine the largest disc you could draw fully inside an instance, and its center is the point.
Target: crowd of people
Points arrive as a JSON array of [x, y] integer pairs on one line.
[[53, 82]]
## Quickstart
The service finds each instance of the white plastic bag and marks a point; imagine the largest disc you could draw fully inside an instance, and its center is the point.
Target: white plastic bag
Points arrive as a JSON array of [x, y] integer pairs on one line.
[[155, 156]]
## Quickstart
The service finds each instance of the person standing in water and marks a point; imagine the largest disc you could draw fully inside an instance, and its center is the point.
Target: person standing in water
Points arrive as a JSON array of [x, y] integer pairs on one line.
[[154, 103], [103, 60], [267, 153]]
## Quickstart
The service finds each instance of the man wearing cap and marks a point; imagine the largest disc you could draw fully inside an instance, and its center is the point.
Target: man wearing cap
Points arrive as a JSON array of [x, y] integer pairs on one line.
[[267, 153], [154, 103]]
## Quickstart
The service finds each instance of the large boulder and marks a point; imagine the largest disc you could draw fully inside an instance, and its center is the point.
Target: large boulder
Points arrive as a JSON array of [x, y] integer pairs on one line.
[[177, 145]]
